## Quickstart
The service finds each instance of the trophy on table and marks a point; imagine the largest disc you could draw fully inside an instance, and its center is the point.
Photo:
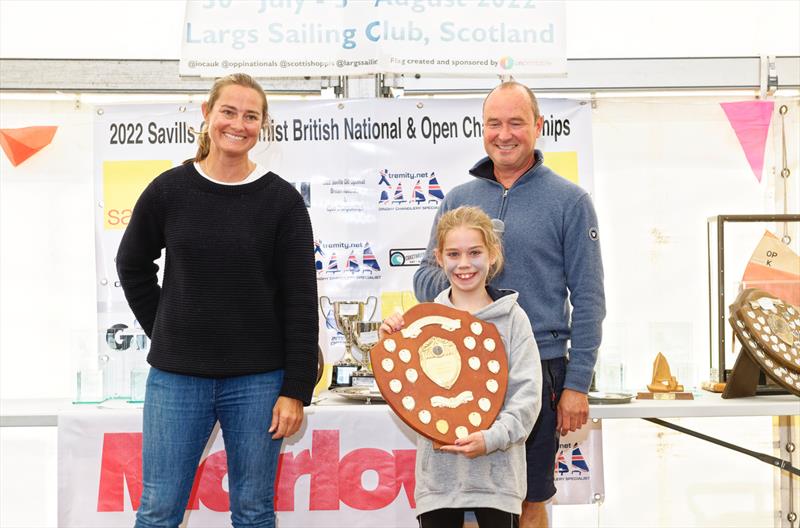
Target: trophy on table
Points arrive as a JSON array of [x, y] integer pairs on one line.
[[346, 314], [366, 336]]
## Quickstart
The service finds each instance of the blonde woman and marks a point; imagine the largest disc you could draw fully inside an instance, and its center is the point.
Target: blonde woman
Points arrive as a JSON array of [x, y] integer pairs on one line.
[[233, 324]]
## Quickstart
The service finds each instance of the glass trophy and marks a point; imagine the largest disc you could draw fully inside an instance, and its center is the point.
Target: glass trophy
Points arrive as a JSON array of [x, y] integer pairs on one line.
[[89, 386], [138, 383]]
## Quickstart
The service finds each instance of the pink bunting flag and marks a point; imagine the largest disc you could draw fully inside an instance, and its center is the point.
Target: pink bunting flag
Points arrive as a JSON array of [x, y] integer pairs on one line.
[[750, 120]]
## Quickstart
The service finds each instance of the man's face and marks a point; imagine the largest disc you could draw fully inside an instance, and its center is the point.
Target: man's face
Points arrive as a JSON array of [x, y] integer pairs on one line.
[[510, 131]]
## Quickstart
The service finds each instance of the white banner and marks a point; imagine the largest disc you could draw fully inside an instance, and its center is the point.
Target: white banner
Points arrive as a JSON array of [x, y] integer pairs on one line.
[[373, 173], [291, 38], [348, 466], [579, 466]]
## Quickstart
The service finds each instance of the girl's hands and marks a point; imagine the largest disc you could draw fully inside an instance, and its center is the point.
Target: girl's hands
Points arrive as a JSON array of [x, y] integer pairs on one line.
[[391, 324], [471, 446]]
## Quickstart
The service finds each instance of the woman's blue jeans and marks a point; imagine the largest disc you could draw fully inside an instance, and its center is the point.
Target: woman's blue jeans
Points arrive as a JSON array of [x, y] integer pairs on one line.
[[179, 414]]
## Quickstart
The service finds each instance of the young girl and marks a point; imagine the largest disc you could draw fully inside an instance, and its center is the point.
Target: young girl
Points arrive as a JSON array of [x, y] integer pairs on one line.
[[484, 472]]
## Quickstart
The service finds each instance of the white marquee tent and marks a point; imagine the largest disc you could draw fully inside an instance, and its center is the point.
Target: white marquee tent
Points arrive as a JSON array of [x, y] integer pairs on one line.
[[654, 71]]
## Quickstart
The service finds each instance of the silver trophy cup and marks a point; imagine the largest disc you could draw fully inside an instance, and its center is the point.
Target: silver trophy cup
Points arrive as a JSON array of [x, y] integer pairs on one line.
[[346, 314], [366, 336]]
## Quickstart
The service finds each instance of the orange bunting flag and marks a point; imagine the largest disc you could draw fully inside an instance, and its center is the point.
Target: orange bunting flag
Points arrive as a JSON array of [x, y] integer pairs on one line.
[[774, 268], [20, 144]]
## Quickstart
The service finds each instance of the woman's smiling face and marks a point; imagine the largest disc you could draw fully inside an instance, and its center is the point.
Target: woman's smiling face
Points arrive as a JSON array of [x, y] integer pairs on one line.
[[235, 120]]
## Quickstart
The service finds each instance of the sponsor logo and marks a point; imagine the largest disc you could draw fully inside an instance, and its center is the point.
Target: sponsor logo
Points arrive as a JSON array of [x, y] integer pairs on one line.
[[506, 62], [570, 463], [406, 256], [120, 337], [333, 479], [345, 260], [123, 182], [408, 191], [344, 195]]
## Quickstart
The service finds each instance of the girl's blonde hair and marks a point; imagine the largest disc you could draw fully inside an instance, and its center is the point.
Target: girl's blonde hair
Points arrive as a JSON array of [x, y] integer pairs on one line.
[[238, 79], [472, 218]]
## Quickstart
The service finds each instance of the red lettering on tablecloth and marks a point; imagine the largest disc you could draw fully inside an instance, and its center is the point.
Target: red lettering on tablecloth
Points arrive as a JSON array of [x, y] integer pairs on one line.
[[404, 461], [121, 464], [332, 479], [321, 463], [207, 486], [352, 467]]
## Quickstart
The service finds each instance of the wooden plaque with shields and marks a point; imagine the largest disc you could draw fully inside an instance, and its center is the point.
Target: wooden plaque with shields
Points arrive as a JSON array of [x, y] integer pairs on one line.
[[769, 329], [445, 374]]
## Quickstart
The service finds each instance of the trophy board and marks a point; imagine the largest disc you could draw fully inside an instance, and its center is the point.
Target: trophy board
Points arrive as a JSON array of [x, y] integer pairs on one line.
[[445, 374], [769, 330]]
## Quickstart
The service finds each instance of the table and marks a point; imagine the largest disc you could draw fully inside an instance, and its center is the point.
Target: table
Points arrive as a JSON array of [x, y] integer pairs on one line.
[[44, 412], [393, 456], [705, 404]]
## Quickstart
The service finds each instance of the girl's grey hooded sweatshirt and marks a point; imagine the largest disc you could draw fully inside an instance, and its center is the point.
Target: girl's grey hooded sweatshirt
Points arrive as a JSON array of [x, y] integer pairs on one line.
[[497, 479]]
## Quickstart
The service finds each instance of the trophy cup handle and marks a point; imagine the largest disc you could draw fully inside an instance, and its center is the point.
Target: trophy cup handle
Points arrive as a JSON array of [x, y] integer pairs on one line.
[[323, 301], [374, 306]]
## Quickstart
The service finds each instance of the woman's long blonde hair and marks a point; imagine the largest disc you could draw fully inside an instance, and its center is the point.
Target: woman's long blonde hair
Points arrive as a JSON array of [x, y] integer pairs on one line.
[[472, 218], [238, 79]]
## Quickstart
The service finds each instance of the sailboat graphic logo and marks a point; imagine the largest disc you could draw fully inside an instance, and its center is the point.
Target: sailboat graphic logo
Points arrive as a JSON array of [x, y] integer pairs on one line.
[[352, 263], [360, 262], [578, 462], [319, 255], [561, 464], [419, 197], [333, 266], [575, 466], [368, 259], [398, 193], [434, 190]]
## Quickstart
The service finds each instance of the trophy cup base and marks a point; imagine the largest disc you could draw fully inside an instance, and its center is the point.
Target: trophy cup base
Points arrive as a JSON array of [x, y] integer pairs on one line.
[[341, 375], [365, 379]]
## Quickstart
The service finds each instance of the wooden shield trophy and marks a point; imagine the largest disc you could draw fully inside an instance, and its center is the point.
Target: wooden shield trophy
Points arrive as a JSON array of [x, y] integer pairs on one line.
[[769, 330], [445, 374]]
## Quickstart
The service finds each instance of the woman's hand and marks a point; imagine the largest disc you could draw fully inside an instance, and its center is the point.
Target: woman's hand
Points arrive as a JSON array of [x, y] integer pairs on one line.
[[391, 324], [471, 446], [287, 417]]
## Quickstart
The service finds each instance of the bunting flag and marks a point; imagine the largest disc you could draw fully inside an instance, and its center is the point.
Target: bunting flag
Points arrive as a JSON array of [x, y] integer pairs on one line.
[[750, 120], [20, 144], [775, 268]]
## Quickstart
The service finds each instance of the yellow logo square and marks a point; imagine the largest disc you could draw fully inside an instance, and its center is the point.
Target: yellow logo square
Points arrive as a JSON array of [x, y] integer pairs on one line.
[[123, 182], [565, 164]]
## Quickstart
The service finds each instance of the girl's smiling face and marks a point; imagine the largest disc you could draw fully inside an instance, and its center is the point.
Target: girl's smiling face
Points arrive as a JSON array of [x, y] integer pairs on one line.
[[465, 259]]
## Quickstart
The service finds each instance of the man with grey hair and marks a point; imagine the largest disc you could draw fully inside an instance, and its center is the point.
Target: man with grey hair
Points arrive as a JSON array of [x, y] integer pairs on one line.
[[552, 251]]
